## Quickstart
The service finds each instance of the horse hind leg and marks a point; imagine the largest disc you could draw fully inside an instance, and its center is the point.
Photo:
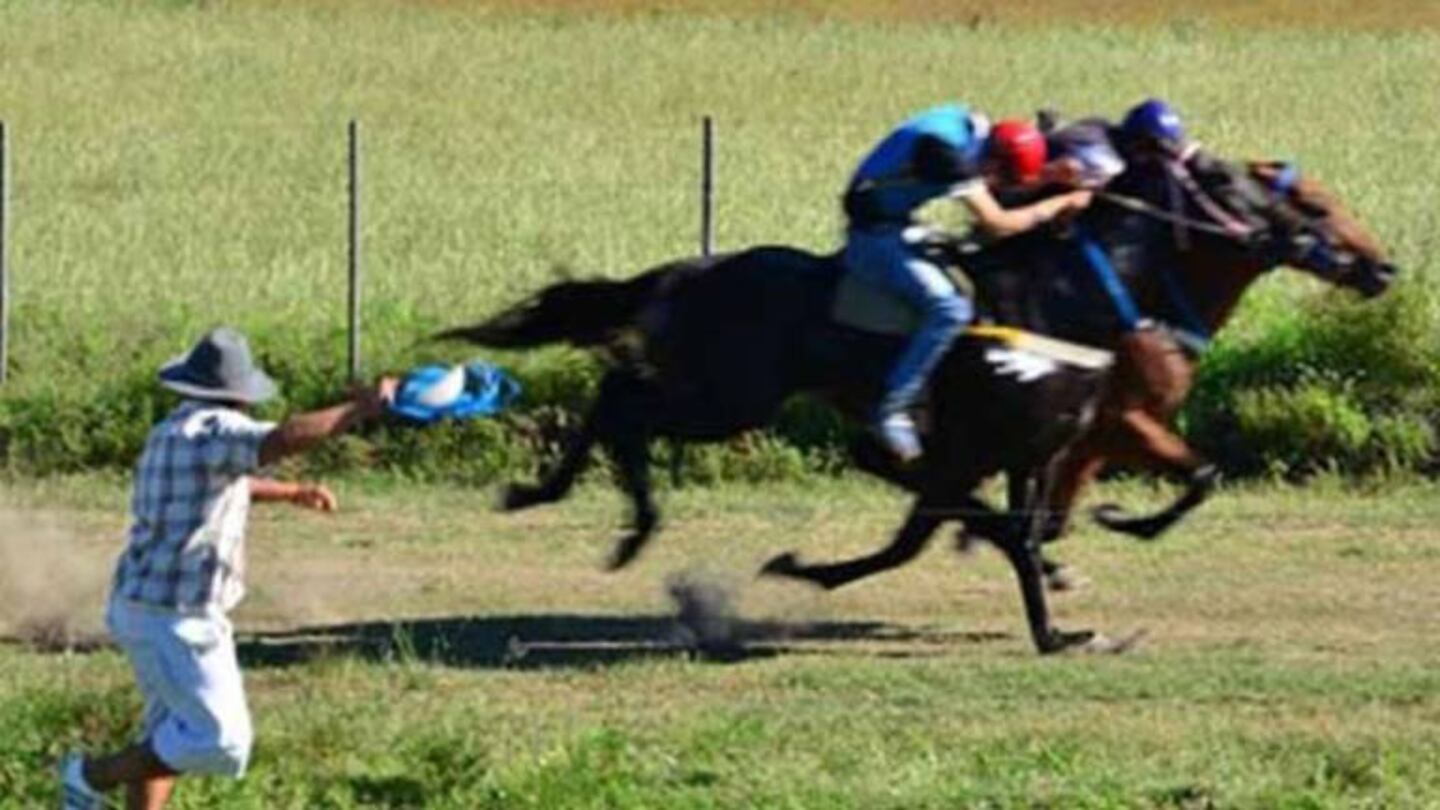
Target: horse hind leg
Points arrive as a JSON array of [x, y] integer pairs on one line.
[[621, 421], [624, 421], [913, 536], [631, 454], [559, 480]]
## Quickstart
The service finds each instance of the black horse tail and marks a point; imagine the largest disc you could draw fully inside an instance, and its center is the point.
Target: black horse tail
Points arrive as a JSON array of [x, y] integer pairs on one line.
[[582, 313]]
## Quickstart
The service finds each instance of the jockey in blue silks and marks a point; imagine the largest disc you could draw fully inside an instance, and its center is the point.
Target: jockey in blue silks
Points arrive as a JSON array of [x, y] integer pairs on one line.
[[1153, 131], [948, 151]]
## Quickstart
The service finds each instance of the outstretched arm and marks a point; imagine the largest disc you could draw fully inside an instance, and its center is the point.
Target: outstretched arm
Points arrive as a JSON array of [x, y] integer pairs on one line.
[[303, 431], [311, 496], [1000, 222]]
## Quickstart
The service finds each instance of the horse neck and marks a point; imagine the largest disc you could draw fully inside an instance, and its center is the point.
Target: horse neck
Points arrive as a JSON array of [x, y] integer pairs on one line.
[[1213, 283]]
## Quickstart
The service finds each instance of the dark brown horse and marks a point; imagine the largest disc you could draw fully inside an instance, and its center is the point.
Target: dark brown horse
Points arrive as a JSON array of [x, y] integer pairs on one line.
[[1189, 282], [1154, 373]]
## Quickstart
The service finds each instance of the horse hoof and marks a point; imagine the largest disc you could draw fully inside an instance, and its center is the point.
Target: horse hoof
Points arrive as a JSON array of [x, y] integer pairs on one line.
[[625, 552], [1101, 644], [1109, 515], [1065, 641], [1115, 519], [781, 565], [518, 496]]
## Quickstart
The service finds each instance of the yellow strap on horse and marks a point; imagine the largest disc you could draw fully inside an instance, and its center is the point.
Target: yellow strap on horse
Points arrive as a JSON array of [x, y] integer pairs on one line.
[[1066, 352]]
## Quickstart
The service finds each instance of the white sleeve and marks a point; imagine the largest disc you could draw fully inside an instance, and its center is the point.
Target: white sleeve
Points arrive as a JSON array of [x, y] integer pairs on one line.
[[965, 188], [229, 441]]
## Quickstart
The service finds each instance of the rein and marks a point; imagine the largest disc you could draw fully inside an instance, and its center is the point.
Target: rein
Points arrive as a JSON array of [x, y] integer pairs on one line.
[[1192, 332], [1140, 206]]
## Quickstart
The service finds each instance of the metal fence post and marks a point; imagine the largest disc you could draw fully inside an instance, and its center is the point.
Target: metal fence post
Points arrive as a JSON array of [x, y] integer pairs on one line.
[[707, 247], [354, 231], [707, 187], [4, 246]]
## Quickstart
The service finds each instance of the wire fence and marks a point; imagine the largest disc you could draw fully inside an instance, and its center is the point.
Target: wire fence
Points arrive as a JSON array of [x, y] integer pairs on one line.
[[354, 208]]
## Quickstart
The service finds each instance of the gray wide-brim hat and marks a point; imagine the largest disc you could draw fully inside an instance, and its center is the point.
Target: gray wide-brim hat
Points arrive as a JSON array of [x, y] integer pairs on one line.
[[219, 368]]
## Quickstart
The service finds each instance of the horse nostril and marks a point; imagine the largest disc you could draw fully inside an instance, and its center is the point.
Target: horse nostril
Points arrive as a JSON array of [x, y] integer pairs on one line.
[[1378, 278]]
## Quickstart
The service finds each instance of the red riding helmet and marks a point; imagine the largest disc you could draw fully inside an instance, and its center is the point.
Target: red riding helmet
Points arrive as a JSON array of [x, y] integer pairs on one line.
[[1019, 149]]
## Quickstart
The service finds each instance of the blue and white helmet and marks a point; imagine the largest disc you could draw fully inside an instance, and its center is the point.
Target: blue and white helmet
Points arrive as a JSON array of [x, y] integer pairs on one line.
[[1154, 120], [438, 391]]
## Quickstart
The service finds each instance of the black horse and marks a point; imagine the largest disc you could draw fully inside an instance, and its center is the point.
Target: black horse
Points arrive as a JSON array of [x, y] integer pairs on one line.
[[708, 348], [711, 348]]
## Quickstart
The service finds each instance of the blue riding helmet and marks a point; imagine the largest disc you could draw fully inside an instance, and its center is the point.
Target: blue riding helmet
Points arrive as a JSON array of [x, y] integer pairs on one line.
[[436, 391], [1155, 120]]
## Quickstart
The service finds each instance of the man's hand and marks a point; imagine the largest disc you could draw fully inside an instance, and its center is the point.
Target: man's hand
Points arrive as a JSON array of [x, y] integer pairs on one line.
[[1076, 201], [1071, 203], [375, 399], [315, 496], [309, 496]]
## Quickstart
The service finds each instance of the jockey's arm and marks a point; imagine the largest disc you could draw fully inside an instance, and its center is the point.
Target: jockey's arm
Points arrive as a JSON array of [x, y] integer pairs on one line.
[[995, 220]]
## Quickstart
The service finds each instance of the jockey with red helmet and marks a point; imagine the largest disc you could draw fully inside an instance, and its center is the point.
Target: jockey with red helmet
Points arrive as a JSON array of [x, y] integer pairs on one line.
[[948, 151]]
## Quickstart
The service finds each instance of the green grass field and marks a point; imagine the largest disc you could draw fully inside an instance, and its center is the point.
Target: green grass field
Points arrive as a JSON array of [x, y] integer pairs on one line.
[[181, 164], [1290, 660], [177, 165]]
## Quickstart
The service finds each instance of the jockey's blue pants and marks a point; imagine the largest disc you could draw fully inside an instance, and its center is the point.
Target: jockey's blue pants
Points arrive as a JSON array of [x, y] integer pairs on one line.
[[880, 255]]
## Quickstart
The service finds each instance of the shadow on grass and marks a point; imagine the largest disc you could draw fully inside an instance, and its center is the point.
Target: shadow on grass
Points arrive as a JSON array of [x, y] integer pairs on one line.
[[569, 640]]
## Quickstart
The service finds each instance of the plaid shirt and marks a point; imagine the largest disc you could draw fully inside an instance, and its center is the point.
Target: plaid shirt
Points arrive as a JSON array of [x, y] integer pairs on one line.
[[191, 500]]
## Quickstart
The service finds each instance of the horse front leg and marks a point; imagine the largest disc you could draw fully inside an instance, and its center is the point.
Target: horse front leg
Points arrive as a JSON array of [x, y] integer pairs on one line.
[[1048, 639], [1022, 549], [1146, 441], [1076, 469], [1152, 381], [1026, 499]]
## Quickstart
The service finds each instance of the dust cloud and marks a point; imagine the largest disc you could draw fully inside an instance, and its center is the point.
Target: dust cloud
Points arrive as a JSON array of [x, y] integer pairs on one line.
[[53, 581]]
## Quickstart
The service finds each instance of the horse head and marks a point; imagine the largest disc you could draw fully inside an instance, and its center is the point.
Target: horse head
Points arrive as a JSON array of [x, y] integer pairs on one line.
[[1310, 230]]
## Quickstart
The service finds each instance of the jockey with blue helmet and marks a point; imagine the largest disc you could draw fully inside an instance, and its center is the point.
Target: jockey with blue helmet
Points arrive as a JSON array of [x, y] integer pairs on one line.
[[947, 151], [1154, 127], [1153, 131]]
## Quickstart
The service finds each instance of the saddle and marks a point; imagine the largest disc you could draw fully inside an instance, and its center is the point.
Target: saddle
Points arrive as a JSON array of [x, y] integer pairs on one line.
[[866, 307]]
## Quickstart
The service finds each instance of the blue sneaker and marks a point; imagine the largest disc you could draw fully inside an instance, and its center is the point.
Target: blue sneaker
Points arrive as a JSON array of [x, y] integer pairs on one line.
[[75, 792], [898, 433]]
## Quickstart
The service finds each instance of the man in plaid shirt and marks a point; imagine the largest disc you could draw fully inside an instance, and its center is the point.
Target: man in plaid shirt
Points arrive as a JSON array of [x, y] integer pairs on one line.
[[182, 570]]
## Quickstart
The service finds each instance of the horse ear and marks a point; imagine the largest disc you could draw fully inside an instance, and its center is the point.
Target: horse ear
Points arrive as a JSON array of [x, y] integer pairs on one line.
[[1265, 170]]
